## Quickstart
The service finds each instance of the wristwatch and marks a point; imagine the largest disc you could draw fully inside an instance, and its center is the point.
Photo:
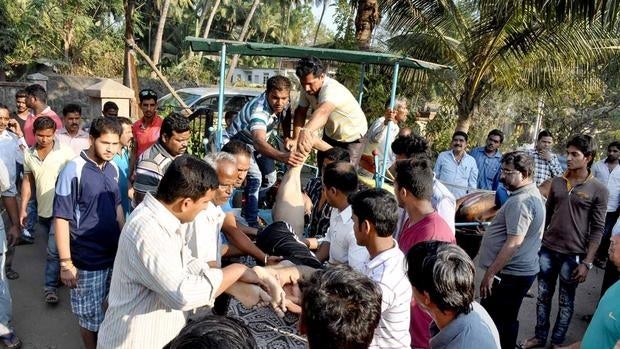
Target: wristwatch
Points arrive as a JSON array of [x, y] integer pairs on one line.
[[66, 264], [588, 265]]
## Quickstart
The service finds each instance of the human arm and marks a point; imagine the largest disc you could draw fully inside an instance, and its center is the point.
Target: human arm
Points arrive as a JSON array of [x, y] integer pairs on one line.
[[120, 216], [472, 182], [299, 119], [438, 164], [259, 138], [10, 204], [27, 181], [597, 226], [512, 244], [322, 253], [68, 273], [317, 120], [240, 240]]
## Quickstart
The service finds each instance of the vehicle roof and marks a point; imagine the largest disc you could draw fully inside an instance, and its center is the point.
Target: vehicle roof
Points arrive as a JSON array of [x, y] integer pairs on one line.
[[214, 90]]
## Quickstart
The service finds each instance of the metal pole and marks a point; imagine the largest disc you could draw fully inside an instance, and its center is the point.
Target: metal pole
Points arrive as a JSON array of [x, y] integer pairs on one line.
[[361, 87], [220, 102], [387, 135]]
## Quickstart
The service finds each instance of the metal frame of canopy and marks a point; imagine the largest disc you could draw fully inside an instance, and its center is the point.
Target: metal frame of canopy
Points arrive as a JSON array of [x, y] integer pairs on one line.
[[225, 47]]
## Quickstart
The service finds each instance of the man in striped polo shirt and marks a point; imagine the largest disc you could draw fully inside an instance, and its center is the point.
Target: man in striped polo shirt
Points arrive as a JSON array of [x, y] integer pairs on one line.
[[253, 126]]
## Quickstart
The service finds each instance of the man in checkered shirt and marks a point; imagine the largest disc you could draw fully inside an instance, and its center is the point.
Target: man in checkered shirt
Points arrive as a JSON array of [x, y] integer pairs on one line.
[[546, 162]]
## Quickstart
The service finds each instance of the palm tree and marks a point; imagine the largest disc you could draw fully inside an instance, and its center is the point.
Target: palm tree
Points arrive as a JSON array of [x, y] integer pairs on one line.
[[366, 19], [491, 45], [242, 37]]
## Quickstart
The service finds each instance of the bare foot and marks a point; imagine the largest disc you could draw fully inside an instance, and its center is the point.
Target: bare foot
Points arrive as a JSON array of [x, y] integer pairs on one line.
[[532, 343], [249, 295], [274, 288]]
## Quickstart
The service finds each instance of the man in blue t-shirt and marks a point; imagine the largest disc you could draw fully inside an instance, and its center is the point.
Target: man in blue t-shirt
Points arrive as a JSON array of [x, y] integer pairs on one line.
[[253, 126], [89, 218]]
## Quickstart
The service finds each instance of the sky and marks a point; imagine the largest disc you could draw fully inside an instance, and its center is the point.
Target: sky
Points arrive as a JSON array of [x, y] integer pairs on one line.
[[328, 19]]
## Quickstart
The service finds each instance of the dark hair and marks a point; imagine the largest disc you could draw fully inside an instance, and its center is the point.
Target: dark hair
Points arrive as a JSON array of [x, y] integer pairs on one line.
[[614, 144], [416, 176], [214, 332], [410, 145], [460, 133], [71, 108], [341, 308], [146, 94], [337, 154], [109, 105], [230, 114], [379, 207], [544, 133], [186, 177], [496, 132], [43, 123], [124, 121], [21, 94], [521, 161], [309, 65], [445, 272], [37, 91], [340, 175], [279, 83], [101, 126], [4, 106], [586, 144], [236, 147], [175, 122]]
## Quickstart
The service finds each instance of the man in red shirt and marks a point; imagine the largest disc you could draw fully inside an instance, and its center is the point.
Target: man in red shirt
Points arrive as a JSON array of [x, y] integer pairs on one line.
[[146, 130], [36, 100], [414, 188]]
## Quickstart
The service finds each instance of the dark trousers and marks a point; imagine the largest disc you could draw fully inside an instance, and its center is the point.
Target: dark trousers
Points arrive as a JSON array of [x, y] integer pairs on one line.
[[603, 249], [354, 148], [278, 239], [504, 303]]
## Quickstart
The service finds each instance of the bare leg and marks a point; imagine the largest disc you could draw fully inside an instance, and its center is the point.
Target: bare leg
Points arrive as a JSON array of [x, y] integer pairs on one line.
[[89, 338], [289, 206]]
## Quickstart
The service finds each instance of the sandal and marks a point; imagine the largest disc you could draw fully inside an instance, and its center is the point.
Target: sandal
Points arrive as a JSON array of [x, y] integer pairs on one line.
[[11, 274], [532, 343], [51, 297], [11, 341]]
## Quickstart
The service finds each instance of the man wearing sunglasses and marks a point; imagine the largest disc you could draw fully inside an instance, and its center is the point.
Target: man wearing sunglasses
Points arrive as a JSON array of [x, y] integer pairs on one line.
[[146, 130]]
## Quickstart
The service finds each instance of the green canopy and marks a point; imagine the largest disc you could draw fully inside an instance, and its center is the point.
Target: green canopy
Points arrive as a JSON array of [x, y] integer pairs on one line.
[[273, 50]]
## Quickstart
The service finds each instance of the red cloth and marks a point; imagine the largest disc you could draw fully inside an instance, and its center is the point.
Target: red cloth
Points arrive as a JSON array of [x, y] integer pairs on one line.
[[431, 227], [29, 125], [146, 137]]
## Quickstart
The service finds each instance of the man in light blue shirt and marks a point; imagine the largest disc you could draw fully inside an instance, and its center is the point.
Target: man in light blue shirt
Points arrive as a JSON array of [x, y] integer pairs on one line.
[[457, 169], [488, 160]]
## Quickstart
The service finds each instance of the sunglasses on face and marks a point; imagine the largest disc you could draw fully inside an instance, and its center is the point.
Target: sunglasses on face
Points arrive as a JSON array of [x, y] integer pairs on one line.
[[148, 93]]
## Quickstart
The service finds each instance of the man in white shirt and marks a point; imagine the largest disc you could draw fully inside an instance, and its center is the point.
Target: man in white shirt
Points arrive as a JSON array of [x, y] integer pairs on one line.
[[72, 134], [374, 217], [457, 169], [377, 135], [334, 109], [608, 172], [155, 277], [339, 245]]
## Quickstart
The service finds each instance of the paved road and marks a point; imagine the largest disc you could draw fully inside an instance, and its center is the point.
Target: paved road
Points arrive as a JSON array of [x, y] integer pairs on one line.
[[43, 326]]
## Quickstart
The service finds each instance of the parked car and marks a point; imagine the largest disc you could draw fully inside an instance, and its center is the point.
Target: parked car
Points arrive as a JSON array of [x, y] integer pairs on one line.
[[206, 98]]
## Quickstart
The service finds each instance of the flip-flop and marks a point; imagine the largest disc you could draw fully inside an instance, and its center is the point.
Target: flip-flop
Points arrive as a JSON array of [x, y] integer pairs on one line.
[[11, 341], [51, 297], [531, 343], [11, 274]]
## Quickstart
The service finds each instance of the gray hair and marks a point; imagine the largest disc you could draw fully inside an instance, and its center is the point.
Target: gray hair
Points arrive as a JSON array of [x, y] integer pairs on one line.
[[212, 159]]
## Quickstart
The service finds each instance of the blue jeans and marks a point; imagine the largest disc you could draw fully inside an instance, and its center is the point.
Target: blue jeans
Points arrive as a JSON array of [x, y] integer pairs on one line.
[[52, 263], [253, 186], [504, 303], [552, 265], [6, 307]]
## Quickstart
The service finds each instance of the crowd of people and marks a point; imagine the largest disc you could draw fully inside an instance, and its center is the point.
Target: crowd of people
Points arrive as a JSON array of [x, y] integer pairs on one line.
[[147, 238]]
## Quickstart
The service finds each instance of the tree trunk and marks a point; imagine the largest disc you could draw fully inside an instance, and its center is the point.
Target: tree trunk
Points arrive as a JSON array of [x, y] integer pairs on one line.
[[318, 26], [160, 33], [242, 37], [205, 35], [130, 76], [199, 22], [466, 112], [67, 39], [366, 19]]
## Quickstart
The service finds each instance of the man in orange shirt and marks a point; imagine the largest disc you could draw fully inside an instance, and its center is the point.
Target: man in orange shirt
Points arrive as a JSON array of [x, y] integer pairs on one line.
[[146, 130]]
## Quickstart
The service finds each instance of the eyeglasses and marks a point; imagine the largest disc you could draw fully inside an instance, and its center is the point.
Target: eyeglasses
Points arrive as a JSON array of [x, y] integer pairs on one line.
[[226, 186], [148, 93]]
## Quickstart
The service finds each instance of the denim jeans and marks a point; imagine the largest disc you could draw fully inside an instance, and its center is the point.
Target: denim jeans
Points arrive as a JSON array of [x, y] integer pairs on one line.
[[6, 307], [253, 186], [52, 264], [610, 220], [553, 265], [504, 303]]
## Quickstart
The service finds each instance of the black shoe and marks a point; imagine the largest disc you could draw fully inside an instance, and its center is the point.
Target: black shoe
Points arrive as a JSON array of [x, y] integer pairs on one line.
[[25, 240]]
